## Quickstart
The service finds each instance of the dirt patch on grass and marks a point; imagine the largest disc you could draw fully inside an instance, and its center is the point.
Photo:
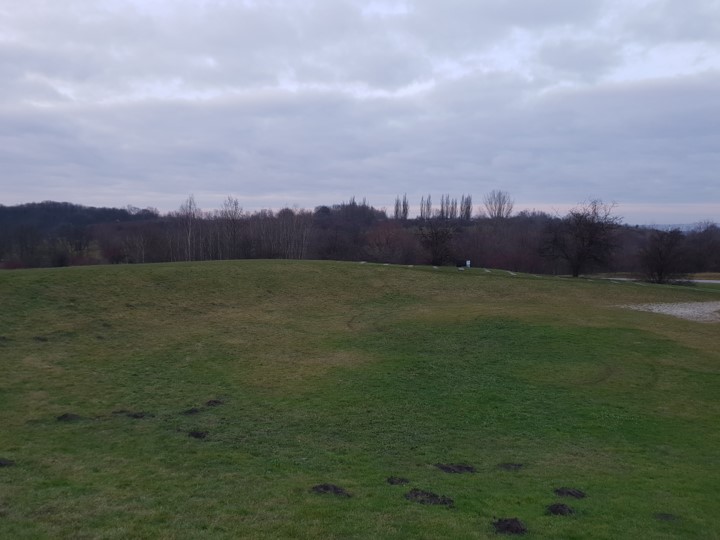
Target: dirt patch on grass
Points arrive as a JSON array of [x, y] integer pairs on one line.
[[330, 489], [397, 481], [708, 312], [559, 509], [68, 417], [6, 462], [428, 497], [214, 403], [198, 434], [457, 468], [570, 492], [138, 414], [509, 526], [510, 466]]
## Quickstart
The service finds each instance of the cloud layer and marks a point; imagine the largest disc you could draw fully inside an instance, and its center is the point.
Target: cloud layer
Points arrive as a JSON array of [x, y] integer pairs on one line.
[[284, 102]]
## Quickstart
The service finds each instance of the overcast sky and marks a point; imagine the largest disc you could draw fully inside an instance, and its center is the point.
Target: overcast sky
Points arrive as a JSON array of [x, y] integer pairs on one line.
[[308, 102]]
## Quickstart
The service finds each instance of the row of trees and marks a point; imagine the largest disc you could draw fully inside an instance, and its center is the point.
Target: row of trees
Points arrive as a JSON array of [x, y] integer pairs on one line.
[[588, 238], [496, 204]]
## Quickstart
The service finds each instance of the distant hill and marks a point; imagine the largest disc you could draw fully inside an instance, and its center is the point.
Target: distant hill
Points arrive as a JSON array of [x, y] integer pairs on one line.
[[51, 216]]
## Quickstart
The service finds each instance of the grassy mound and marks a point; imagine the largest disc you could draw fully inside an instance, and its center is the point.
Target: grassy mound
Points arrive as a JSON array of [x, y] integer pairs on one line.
[[216, 399]]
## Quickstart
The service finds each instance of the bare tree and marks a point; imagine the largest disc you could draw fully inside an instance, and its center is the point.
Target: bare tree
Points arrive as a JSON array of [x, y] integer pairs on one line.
[[466, 207], [498, 204], [444, 210], [436, 236], [703, 244], [402, 208], [426, 211], [663, 259], [585, 237], [231, 216], [383, 242], [135, 245], [190, 216], [293, 231], [448, 208]]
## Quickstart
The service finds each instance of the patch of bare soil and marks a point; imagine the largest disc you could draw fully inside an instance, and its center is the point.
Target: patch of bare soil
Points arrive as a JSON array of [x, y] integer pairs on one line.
[[510, 466], [457, 468], [570, 492], [397, 481], [198, 434], [214, 402], [509, 526], [6, 462], [559, 509], [428, 497], [692, 311], [68, 417], [330, 489], [138, 414]]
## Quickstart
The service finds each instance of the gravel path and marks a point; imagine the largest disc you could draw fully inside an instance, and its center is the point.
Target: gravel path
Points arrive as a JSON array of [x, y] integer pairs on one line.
[[692, 311]]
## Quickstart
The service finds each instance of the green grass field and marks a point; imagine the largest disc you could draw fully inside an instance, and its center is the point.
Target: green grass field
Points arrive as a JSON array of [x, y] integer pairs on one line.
[[348, 374]]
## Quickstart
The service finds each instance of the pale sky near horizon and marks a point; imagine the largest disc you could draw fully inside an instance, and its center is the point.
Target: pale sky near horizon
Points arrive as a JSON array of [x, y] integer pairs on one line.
[[309, 102]]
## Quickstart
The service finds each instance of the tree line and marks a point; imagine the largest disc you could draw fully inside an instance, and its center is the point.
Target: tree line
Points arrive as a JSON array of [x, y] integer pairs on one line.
[[589, 238]]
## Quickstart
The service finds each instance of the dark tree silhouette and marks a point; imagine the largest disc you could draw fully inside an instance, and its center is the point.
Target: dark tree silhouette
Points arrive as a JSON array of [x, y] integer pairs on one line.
[[466, 207], [586, 237], [663, 259], [405, 207], [402, 208], [50, 233], [498, 204], [426, 211], [436, 236], [704, 247]]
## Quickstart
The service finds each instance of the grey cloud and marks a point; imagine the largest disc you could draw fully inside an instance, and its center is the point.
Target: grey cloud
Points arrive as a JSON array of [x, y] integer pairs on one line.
[[672, 20], [243, 46], [454, 25], [648, 141], [98, 48], [577, 59], [186, 100], [568, 145]]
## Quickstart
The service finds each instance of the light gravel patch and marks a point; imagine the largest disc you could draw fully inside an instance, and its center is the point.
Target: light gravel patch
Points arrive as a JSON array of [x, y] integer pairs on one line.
[[692, 311]]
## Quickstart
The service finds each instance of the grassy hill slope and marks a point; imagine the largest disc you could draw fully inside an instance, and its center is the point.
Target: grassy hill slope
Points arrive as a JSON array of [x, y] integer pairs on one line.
[[294, 374]]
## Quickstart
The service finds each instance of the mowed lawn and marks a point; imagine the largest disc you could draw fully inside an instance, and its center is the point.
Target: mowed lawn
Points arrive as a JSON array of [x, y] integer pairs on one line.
[[210, 398]]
